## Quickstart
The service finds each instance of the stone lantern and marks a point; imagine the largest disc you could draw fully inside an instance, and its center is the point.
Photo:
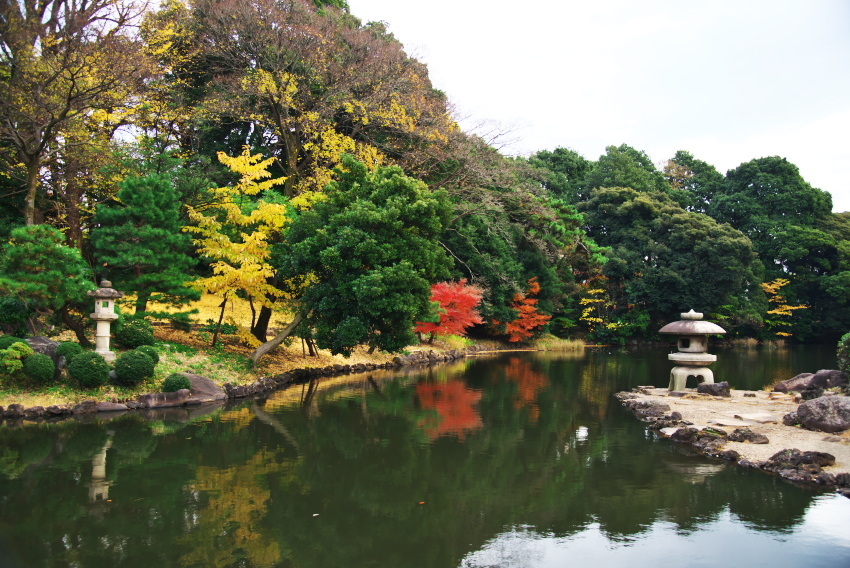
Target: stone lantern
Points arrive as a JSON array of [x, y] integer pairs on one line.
[[692, 358], [104, 314]]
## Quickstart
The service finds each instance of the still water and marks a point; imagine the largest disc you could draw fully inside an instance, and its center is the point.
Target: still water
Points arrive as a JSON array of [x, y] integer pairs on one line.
[[512, 460]]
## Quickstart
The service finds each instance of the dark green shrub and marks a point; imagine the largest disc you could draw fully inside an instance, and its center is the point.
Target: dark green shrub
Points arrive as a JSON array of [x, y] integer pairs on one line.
[[13, 314], [69, 349], [150, 351], [175, 382], [40, 368], [7, 340], [89, 369], [843, 354], [134, 333], [181, 321], [133, 367]]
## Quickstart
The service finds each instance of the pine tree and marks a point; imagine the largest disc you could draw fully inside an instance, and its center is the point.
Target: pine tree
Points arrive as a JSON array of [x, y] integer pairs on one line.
[[140, 244]]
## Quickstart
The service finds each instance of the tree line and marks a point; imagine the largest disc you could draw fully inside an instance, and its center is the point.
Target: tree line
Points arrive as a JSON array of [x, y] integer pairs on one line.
[[287, 153]]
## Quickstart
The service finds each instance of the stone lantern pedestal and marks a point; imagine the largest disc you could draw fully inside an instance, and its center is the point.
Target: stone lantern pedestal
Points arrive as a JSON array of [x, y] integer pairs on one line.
[[692, 358], [104, 314]]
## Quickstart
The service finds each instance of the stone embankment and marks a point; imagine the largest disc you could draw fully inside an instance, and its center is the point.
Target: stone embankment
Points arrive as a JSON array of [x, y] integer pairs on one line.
[[780, 432], [206, 392]]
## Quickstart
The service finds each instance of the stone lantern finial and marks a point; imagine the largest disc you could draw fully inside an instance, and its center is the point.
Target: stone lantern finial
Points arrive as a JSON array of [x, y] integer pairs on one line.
[[692, 357], [104, 314]]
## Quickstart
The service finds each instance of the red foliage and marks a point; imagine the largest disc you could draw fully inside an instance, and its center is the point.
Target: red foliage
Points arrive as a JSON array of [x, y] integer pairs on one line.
[[455, 405], [457, 301], [529, 319]]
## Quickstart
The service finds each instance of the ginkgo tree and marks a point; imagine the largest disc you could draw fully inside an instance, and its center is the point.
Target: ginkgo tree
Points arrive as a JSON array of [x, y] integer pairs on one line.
[[237, 231]]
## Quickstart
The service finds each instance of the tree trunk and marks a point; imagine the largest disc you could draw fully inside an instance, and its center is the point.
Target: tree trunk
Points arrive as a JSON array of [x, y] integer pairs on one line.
[[220, 318], [32, 187], [261, 327], [311, 345], [75, 326], [142, 302], [278, 339]]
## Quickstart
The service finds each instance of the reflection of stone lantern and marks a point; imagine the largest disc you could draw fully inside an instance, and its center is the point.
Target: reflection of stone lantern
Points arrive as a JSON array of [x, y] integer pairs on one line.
[[104, 314], [693, 343]]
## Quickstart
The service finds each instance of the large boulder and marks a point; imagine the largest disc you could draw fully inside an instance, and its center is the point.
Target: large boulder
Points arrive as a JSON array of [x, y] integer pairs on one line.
[[823, 379], [827, 413], [798, 383], [45, 346], [205, 389], [715, 389]]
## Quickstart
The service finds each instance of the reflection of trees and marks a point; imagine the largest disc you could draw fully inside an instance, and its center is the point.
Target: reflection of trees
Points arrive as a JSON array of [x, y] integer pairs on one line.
[[241, 488], [455, 406]]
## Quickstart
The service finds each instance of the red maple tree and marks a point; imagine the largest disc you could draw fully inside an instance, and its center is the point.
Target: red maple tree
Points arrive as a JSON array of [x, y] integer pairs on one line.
[[457, 309], [529, 318]]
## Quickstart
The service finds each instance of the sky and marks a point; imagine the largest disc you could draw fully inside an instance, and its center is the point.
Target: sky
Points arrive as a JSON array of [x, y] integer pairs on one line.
[[726, 81]]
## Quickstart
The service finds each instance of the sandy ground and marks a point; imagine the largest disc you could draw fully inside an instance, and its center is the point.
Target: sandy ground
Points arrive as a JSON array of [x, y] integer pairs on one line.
[[761, 414]]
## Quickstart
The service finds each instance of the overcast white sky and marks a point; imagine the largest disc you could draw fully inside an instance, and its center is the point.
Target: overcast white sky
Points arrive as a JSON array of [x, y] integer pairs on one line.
[[728, 81]]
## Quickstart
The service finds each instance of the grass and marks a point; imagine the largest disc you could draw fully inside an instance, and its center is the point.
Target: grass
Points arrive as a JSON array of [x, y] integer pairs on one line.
[[552, 343]]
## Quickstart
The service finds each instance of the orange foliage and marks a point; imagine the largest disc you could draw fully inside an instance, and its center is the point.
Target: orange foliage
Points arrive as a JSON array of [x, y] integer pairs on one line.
[[457, 301], [455, 405], [529, 382], [529, 318]]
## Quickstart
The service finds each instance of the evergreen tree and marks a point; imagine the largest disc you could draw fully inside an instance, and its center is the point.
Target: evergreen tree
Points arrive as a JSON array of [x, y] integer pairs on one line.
[[139, 242]]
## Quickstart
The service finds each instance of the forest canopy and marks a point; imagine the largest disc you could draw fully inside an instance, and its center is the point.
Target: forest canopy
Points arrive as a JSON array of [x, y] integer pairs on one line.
[[292, 155]]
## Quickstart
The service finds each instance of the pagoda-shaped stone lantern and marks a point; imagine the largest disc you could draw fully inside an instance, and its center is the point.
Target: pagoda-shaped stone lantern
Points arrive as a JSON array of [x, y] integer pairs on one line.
[[104, 314], [692, 358]]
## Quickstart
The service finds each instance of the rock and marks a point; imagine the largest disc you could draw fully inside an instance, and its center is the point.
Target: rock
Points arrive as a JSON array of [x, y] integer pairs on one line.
[[647, 408], [795, 459], [111, 407], [14, 411], [85, 407], [747, 435], [798, 383], [43, 345], [165, 399], [729, 455], [829, 414], [811, 393], [34, 412], [205, 388], [791, 419], [714, 389], [58, 410], [750, 394], [827, 379]]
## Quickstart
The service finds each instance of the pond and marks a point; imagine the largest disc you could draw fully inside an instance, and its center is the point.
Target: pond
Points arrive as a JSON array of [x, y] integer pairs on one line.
[[509, 460]]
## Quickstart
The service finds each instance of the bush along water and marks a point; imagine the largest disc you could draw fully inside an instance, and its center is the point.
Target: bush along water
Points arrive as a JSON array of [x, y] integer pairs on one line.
[[150, 351], [843, 354], [69, 349], [89, 369], [133, 367], [40, 368], [176, 381]]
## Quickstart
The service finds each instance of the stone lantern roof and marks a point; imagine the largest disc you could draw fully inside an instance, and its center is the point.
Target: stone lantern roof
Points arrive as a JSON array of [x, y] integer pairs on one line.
[[692, 324], [105, 292]]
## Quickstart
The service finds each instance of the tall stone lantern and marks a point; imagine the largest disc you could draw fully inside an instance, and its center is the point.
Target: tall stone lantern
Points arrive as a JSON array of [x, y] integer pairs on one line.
[[692, 358], [104, 314]]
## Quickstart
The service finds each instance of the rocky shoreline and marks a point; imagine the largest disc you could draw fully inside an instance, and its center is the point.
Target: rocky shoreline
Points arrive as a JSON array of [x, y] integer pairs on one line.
[[205, 392], [755, 429]]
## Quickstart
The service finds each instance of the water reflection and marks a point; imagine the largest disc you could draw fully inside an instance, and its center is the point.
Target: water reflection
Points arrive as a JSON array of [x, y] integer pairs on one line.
[[506, 461]]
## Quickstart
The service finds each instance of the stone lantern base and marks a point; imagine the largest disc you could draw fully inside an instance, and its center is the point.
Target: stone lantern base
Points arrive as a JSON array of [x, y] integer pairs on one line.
[[679, 377]]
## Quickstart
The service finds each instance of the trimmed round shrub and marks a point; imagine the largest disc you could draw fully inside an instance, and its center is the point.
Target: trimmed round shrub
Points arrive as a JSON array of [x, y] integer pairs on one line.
[[134, 333], [89, 369], [7, 340], [40, 368], [176, 381], [69, 349], [133, 367], [150, 351], [844, 354]]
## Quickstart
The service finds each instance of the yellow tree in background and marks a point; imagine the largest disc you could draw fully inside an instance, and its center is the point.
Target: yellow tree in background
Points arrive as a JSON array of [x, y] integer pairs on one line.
[[780, 308], [237, 231]]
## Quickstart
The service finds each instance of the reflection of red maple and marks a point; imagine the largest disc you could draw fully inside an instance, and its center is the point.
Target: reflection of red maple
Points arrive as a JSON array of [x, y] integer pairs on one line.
[[455, 406], [457, 301], [529, 381]]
